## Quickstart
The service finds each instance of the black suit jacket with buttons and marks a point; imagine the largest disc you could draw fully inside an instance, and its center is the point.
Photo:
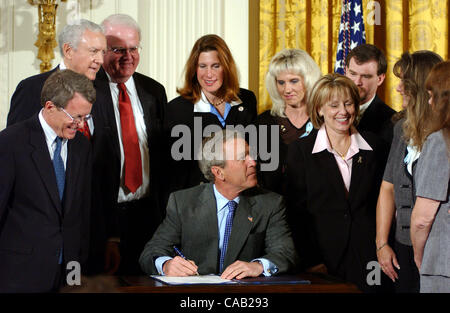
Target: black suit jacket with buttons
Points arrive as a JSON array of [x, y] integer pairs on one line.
[[34, 223], [106, 150], [180, 111], [323, 218]]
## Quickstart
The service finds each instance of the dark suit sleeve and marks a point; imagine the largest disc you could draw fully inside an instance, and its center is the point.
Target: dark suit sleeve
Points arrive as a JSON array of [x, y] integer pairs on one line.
[[249, 98], [279, 247], [20, 102], [299, 219], [26, 100], [6, 176], [166, 236]]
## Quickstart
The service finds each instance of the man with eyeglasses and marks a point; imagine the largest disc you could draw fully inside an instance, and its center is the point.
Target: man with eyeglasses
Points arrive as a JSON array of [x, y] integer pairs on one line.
[[82, 46], [129, 162], [45, 188]]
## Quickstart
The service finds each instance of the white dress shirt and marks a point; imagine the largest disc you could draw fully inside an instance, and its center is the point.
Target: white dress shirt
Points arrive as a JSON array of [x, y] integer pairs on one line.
[[50, 137]]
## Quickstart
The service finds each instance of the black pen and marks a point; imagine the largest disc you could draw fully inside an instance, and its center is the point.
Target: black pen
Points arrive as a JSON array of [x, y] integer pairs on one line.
[[177, 251]]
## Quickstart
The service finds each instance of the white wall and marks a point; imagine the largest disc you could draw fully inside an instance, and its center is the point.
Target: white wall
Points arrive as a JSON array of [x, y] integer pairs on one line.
[[169, 30]]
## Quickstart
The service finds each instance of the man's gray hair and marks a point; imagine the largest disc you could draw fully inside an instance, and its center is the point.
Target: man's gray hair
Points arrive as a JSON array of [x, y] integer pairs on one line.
[[122, 19], [213, 152], [72, 33]]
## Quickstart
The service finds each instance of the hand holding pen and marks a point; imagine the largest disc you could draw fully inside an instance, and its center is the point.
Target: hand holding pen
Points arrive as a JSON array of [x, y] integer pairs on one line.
[[180, 266]]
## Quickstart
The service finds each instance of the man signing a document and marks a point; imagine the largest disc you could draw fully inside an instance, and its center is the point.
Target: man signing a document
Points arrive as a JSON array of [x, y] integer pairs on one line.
[[228, 227]]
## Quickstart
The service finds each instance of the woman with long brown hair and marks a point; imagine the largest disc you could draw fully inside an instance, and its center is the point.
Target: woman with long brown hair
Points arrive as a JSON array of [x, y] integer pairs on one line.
[[396, 196], [430, 220], [210, 96]]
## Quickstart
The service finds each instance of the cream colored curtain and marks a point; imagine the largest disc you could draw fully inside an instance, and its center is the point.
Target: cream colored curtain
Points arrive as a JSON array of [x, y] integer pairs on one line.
[[313, 25]]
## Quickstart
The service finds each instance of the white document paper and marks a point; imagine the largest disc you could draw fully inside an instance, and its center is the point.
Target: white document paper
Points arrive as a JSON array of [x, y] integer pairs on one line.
[[191, 280]]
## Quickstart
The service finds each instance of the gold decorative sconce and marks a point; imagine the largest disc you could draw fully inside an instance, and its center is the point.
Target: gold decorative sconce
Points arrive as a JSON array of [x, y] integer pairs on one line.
[[46, 41]]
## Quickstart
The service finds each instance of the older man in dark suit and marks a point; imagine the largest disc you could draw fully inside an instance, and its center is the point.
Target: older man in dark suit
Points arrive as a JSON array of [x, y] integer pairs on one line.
[[82, 46], [45, 188], [229, 226], [127, 153]]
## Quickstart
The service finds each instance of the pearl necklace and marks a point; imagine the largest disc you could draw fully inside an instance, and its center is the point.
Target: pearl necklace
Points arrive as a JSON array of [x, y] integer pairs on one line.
[[217, 103]]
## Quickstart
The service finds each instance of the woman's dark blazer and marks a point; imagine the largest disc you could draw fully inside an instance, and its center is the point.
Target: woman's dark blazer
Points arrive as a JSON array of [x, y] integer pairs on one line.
[[180, 111], [272, 180], [325, 220]]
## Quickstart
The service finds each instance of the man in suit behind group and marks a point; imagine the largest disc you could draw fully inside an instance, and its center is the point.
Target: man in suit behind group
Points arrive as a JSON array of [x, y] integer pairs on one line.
[[82, 46], [229, 226], [366, 66], [127, 161], [45, 188]]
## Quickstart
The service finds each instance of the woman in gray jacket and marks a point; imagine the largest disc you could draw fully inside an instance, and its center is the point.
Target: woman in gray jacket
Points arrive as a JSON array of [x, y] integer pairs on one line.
[[396, 198]]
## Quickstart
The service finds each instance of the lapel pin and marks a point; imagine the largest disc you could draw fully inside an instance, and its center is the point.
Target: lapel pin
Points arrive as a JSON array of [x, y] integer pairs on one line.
[[250, 219], [360, 159], [241, 109]]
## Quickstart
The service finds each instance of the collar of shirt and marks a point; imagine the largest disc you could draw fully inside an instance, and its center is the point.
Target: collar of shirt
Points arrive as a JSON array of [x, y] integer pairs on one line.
[[221, 201], [131, 90], [203, 105], [363, 107], [62, 65], [357, 143], [412, 155], [50, 137]]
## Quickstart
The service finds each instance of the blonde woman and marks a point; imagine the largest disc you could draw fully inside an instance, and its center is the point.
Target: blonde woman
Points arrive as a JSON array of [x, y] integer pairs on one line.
[[291, 75]]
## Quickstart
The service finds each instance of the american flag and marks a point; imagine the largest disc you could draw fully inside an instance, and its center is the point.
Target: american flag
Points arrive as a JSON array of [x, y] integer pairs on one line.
[[351, 31]]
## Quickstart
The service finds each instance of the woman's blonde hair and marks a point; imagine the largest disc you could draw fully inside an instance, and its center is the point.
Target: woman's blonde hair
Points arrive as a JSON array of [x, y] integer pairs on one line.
[[294, 61]]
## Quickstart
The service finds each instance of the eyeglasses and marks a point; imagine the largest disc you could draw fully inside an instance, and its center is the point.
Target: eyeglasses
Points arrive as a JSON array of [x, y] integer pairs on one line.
[[78, 119], [123, 51]]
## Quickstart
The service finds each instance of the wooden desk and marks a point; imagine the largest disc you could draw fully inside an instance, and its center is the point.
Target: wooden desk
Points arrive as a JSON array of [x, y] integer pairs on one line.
[[320, 283]]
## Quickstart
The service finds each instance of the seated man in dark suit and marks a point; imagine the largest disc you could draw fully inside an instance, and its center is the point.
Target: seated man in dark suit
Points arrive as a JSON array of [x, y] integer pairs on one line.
[[366, 66], [229, 226], [45, 188], [82, 46]]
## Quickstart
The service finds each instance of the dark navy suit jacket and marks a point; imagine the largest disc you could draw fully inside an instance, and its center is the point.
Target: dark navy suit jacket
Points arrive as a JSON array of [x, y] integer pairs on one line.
[[34, 223]]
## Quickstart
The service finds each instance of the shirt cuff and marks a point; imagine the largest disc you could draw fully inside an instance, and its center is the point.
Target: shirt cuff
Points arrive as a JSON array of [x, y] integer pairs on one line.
[[269, 268], [159, 262]]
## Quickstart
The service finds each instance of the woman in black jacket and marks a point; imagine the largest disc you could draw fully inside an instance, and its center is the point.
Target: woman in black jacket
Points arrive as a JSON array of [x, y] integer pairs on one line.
[[291, 75], [210, 97]]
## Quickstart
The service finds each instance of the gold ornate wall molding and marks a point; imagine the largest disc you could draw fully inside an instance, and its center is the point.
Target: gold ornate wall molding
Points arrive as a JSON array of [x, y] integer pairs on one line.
[[46, 40]]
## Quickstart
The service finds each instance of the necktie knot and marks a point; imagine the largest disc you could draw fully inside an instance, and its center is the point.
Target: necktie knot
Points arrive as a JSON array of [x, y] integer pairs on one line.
[[232, 206], [58, 141], [122, 87]]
